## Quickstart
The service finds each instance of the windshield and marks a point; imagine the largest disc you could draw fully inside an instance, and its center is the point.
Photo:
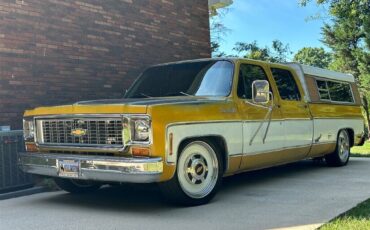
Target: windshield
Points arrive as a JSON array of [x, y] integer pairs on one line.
[[204, 78]]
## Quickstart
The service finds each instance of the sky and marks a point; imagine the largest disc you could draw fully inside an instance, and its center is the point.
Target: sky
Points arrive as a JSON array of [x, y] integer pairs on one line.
[[267, 20]]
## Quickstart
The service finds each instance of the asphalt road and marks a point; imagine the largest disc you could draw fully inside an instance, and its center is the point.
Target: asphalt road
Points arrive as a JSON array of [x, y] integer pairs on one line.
[[302, 195]]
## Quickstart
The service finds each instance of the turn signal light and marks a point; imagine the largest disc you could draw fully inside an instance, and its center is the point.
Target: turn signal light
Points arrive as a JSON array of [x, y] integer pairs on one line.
[[140, 152], [31, 147], [171, 144]]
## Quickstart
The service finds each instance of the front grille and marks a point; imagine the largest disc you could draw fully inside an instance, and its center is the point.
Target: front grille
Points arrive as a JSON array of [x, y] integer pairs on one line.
[[91, 131]]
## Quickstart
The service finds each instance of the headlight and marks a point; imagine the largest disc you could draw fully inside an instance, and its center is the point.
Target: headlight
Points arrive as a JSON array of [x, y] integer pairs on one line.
[[28, 129], [136, 129], [142, 128]]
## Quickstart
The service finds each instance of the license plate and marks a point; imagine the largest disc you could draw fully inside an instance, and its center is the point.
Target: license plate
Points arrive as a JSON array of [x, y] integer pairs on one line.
[[68, 168]]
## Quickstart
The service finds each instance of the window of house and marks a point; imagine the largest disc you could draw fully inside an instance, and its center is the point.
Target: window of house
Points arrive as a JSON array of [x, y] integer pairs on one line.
[[247, 74], [286, 84]]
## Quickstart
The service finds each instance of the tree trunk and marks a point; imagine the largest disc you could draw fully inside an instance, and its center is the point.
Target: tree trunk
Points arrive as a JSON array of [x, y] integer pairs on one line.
[[366, 108]]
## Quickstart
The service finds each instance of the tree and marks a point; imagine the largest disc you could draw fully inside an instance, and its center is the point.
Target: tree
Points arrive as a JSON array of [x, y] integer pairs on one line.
[[217, 11], [313, 56], [348, 35], [277, 53]]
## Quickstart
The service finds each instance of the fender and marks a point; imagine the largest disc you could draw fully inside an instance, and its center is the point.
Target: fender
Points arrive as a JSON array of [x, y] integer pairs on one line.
[[230, 131]]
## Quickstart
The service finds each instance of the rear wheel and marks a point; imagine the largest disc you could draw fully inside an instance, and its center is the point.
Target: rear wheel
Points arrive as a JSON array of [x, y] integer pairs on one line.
[[76, 186], [198, 175], [340, 156]]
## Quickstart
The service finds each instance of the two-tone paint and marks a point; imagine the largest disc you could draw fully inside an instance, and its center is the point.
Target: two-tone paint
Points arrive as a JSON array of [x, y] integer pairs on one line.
[[297, 130]]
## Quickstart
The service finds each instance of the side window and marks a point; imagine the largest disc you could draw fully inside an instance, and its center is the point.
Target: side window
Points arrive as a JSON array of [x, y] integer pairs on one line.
[[340, 91], [323, 90], [247, 74], [334, 91], [286, 84]]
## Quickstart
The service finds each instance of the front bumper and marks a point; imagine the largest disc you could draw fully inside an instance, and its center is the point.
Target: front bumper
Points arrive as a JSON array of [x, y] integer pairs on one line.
[[97, 168]]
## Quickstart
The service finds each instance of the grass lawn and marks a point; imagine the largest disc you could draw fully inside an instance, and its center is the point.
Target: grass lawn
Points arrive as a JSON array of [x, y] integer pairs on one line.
[[357, 218], [361, 151]]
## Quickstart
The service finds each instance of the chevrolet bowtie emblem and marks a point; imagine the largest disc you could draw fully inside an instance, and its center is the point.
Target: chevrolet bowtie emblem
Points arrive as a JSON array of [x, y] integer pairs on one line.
[[78, 132]]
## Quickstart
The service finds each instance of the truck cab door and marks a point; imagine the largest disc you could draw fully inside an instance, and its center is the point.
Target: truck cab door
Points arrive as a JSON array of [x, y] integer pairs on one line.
[[297, 119], [258, 152]]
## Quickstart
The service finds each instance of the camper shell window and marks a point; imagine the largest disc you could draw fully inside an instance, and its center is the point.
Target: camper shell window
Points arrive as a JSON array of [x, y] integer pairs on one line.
[[335, 91]]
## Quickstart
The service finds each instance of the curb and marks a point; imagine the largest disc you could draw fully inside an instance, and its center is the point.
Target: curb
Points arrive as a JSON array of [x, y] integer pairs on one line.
[[24, 192]]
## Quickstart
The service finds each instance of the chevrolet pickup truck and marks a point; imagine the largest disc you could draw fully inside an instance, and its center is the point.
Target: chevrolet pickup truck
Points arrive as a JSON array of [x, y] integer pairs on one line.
[[188, 124]]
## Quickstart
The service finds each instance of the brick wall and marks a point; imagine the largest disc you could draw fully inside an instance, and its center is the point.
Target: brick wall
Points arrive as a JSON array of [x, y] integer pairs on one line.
[[61, 51]]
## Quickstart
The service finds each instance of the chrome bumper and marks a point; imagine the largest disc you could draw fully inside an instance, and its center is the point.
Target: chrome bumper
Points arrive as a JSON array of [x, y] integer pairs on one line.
[[98, 168]]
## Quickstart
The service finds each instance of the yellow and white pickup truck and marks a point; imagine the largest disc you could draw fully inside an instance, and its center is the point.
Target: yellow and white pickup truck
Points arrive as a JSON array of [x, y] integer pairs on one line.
[[186, 125]]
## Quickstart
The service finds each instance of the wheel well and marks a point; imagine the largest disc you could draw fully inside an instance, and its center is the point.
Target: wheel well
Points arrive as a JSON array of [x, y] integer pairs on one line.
[[351, 134], [218, 141]]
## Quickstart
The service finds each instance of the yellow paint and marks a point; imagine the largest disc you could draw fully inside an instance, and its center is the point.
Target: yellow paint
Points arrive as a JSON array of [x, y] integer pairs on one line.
[[234, 164], [318, 150], [214, 110], [321, 110], [86, 109], [259, 161]]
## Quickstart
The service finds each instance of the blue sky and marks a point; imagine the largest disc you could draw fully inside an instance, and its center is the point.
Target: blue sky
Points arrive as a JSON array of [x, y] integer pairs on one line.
[[266, 20]]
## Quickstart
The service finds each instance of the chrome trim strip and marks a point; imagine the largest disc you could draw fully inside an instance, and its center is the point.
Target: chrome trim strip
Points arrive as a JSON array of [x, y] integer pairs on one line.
[[97, 168], [79, 115], [279, 149], [79, 147], [336, 118]]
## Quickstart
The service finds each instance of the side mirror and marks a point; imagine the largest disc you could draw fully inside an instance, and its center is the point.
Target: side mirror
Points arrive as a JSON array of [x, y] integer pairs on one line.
[[260, 92]]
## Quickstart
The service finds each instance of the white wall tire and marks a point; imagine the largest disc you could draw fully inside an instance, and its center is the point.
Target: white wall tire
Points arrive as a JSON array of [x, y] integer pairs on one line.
[[198, 175], [341, 155]]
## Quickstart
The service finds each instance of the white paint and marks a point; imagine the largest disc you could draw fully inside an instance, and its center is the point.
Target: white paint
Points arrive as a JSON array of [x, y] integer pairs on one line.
[[326, 130], [282, 134], [324, 73], [274, 139], [230, 131], [298, 132]]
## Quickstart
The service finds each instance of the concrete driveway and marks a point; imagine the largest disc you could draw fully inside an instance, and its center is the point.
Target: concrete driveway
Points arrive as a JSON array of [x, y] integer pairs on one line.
[[302, 195]]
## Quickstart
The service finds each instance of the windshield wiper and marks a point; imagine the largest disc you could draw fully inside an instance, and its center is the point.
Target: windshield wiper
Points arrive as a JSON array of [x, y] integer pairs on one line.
[[185, 94], [142, 94]]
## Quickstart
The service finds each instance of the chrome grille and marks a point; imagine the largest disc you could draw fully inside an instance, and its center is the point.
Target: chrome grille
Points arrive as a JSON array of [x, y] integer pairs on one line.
[[96, 131]]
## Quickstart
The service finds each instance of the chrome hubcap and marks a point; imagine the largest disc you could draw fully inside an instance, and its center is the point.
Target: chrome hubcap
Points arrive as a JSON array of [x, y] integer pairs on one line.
[[197, 169], [343, 146]]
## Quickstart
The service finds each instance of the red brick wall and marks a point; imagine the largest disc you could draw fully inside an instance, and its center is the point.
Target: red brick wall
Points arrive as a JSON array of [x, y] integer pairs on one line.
[[61, 51]]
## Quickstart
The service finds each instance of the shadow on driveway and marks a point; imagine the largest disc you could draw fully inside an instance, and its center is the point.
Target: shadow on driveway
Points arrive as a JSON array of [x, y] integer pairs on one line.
[[148, 198]]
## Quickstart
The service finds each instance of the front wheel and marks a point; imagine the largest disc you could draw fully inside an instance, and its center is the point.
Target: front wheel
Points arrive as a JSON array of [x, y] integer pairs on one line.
[[198, 175], [76, 186], [340, 156]]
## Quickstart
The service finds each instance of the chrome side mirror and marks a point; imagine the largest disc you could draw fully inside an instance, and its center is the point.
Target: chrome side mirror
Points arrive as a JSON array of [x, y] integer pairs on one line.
[[260, 92]]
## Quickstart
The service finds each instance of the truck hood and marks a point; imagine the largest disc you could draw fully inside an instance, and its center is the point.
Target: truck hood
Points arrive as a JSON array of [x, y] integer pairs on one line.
[[117, 106]]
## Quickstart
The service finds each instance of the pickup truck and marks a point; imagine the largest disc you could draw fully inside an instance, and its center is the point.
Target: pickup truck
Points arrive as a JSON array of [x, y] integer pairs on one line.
[[186, 125]]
